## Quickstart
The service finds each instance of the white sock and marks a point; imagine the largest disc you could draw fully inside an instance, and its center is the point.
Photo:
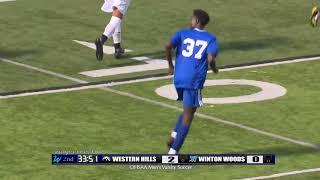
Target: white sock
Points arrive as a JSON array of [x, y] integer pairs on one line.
[[173, 134], [110, 28], [172, 151], [117, 34]]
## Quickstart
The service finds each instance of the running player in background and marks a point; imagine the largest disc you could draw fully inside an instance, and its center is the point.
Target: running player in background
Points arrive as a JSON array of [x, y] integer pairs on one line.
[[314, 16], [195, 50], [118, 8]]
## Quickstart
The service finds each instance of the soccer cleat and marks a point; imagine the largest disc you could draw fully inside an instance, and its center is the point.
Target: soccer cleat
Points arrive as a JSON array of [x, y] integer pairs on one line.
[[99, 49], [119, 52]]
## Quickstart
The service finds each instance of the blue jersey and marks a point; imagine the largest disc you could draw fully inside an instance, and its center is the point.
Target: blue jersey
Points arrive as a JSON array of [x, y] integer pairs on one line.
[[191, 66]]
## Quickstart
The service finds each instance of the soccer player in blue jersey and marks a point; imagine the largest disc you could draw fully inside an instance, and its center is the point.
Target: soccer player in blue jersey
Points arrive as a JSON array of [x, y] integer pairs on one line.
[[195, 50]]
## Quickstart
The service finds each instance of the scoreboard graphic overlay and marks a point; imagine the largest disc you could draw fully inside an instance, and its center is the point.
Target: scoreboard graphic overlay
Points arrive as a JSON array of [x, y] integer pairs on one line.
[[156, 159]]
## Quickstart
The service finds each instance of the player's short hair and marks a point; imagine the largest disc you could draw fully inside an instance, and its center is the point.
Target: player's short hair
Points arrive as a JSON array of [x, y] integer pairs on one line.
[[202, 16]]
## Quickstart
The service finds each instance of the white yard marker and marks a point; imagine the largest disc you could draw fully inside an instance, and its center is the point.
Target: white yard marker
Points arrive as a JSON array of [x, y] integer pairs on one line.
[[92, 73], [158, 64], [151, 64], [143, 58], [214, 119], [283, 174], [106, 49], [6, 1], [155, 64]]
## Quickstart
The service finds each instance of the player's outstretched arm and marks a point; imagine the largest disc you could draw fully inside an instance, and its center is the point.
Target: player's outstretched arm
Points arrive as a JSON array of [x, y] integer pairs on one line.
[[212, 63], [168, 48]]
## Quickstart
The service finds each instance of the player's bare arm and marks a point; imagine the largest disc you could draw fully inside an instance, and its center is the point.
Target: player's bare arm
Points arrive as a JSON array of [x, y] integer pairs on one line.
[[169, 47], [212, 63]]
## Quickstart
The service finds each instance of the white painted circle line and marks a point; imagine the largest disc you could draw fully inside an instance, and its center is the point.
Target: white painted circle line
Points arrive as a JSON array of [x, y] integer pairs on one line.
[[268, 91], [284, 174]]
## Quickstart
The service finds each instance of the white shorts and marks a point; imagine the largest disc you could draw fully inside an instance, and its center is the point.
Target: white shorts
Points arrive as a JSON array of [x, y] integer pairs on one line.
[[122, 5]]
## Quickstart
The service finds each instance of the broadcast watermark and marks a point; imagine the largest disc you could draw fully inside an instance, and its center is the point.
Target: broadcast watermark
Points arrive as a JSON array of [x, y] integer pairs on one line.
[[159, 167]]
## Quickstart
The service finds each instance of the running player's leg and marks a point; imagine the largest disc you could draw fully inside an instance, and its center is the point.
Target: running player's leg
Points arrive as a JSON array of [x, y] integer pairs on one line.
[[118, 9], [117, 42], [109, 30], [191, 101], [115, 23], [173, 134], [314, 16], [182, 132]]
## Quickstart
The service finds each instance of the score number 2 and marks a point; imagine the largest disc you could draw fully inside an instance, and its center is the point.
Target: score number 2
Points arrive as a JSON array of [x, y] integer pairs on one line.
[[170, 159]]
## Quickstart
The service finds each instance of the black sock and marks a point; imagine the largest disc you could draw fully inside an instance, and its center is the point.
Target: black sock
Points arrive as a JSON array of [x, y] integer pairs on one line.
[[103, 38], [117, 46]]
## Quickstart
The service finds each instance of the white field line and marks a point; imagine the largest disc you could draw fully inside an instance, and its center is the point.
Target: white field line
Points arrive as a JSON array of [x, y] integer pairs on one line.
[[42, 70], [222, 70], [157, 64], [151, 65], [145, 79], [283, 174], [6, 1], [273, 63], [54, 91], [214, 119]]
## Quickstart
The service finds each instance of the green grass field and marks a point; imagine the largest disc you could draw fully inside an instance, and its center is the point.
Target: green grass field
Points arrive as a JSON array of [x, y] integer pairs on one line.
[[33, 127], [40, 33]]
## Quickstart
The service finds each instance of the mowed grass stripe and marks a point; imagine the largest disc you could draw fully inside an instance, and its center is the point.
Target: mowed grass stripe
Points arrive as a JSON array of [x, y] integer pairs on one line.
[[272, 135]]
